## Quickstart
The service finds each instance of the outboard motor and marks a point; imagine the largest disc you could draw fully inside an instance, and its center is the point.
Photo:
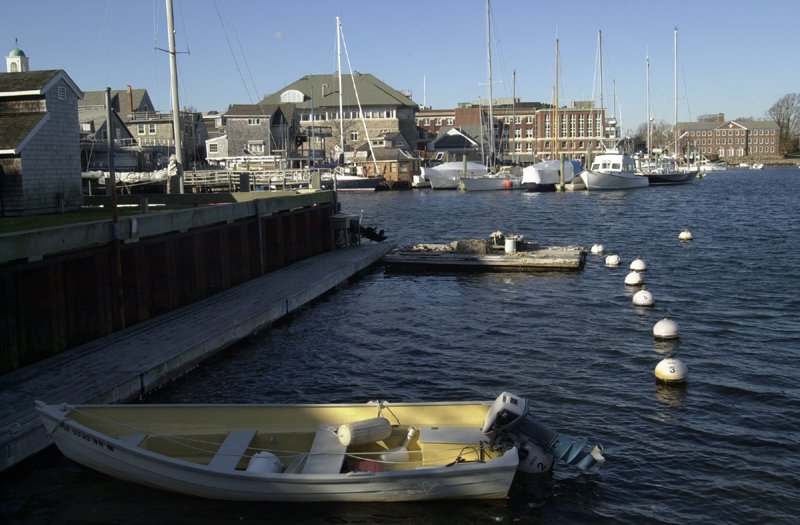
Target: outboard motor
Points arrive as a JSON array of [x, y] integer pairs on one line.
[[509, 422]]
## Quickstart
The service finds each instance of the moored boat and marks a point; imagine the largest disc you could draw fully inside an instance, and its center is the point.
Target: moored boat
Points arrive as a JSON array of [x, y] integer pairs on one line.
[[504, 179], [613, 171], [376, 451], [545, 175], [446, 176]]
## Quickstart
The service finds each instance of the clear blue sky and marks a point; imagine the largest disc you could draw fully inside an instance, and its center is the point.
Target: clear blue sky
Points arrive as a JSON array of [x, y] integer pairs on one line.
[[735, 57]]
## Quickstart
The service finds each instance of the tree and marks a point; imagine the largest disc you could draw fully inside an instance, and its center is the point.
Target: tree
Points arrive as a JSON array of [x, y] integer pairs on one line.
[[786, 114]]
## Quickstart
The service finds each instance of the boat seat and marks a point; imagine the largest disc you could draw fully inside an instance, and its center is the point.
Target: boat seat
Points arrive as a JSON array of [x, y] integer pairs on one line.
[[231, 450], [133, 439], [327, 453], [451, 434]]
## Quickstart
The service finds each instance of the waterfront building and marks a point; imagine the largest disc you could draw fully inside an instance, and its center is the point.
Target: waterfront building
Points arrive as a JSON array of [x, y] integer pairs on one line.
[[151, 132], [731, 139], [40, 169], [253, 135], [378, 110], [390, 157], [525, 132]]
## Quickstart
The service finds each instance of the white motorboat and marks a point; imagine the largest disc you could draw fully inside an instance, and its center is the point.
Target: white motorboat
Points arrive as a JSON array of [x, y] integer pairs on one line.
[[376, 451], [446, 176], [613, 171]]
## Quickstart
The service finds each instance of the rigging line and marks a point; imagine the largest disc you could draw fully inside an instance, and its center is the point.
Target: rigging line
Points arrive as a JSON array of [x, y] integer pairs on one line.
[[241, 51], [358, 100], [185, 28], [233, 54]]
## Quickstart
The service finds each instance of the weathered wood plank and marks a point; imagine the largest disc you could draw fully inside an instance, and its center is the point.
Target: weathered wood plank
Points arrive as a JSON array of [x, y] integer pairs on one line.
[[128, 363]]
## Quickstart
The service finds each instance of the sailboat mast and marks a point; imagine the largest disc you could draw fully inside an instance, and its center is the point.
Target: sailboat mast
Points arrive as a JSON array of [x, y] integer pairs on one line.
[[556, 124], [600, 51], [339, 67], [176, 117], [489, 62], [514, 112], [676, 93], [649, 119]]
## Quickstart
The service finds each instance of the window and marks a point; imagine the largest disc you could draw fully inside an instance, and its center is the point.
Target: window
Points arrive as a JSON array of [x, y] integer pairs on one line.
[[62, 93], [427, 121], [140, 129], [438, 122], [255, 147], [254, 121], [450, 121], [213, 148], [354, 135], [529, 120], [529, 133], [517, 133], [151, 129]]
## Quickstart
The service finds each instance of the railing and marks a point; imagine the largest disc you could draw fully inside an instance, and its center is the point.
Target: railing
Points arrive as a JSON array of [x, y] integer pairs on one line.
[[232, 180]]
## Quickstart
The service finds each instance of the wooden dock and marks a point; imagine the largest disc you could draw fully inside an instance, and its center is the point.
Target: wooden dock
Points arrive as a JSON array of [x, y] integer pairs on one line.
[[129, 363], [547, 258]]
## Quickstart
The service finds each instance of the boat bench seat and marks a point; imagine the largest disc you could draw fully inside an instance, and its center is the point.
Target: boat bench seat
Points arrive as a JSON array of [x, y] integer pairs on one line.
[[231, 450], [326, 455], [451, 434]]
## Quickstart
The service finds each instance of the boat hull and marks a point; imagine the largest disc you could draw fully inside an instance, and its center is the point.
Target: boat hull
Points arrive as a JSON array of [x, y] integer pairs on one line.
[[447, 176], [613, 181], [93, 436], [677, 177], [350, 183], [489, 183]]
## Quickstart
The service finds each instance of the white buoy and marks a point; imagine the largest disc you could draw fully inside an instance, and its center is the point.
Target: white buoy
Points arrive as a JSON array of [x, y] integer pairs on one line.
[[643, 298], [612, 260], [685, 235], [671, 370], [598, 249], [666, 328], [634, 279], [638, 265]]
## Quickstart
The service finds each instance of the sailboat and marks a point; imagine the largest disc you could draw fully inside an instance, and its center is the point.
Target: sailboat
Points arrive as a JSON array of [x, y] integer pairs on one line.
[[507, 178], [349, 178], [666, 169], [546, 175], [612, 170]]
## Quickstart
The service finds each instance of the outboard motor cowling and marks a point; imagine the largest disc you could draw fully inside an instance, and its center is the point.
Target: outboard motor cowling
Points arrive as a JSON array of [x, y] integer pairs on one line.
[[509, 420]]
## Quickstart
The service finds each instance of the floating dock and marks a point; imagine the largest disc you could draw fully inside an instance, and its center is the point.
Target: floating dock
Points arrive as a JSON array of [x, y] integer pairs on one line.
[[129, 363], [479, 255]]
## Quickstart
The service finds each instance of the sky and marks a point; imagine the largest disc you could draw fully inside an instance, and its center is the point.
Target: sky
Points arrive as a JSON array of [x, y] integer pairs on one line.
[[734, 57]]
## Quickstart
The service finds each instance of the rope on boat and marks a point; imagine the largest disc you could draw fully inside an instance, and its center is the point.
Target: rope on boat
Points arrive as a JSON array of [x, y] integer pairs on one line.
[[199, 445]]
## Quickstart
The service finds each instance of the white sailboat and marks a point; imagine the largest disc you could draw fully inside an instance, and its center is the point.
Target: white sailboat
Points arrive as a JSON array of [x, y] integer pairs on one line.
[[611, 170], [666, 170], [505, 179], [350, 178]]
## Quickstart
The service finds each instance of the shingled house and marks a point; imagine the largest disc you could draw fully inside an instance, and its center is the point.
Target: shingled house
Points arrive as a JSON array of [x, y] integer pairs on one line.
[[40, 167]]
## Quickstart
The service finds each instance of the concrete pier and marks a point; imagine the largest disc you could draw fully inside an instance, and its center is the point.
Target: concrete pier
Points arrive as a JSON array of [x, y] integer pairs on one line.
[[126, 364]]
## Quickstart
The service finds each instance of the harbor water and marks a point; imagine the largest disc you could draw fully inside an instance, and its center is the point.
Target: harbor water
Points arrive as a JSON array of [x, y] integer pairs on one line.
[[723, 448]]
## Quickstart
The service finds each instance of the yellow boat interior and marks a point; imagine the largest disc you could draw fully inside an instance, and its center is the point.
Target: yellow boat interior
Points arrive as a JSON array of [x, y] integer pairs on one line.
[[299, 439]]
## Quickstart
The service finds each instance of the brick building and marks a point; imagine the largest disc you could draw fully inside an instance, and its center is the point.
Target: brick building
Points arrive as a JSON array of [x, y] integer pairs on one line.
[[731, 139], [524, 131]]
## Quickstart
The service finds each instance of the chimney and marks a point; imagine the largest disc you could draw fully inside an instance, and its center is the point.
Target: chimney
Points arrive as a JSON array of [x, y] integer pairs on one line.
[[130, 97]]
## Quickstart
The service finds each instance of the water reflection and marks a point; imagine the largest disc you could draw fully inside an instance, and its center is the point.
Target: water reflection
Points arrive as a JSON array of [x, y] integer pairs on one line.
[[670, 394]]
